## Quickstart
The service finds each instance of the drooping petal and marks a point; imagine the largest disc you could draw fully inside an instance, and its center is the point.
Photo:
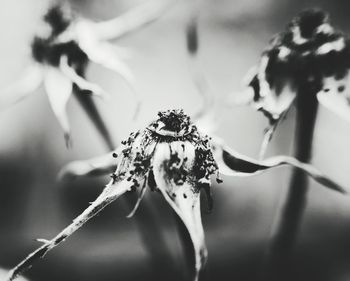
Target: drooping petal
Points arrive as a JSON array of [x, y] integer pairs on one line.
[[81, 82], [183, 197], [139, 199], [111, 192], [104, 54], [232, 163], [335, 96], [28, 82], [59, 89], [97, 166]]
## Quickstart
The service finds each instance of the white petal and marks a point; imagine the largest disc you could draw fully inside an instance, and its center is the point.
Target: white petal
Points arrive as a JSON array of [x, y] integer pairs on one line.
[[333, 100], [278, 102], [111, 192], [104, 54], [59, 89], [102, 165], [81, 82], [232, 163], [28, 82], [182, 198]]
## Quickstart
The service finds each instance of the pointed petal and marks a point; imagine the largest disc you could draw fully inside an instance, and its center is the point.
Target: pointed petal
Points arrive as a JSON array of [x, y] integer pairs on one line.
[[59, 89], [80, 81], [111, 192], [104, 54], [97, 166], [28, 82], [183, 198], [335, 97], [139, 199], [232, 163]]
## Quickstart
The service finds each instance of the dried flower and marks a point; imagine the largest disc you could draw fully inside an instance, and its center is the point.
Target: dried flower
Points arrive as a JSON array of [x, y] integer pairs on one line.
[[170, 156], [310, 54], [60, 56]]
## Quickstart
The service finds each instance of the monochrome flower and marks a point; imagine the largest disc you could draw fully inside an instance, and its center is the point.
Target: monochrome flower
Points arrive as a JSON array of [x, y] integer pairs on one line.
[[310, 54], [60, 56], [173, 157]]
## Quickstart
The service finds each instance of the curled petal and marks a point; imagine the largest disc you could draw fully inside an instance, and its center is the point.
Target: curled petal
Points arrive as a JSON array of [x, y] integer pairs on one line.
[[80, 81], [111, 192], [335, 97], [59, 89], [29, 82], [97, 166], [104, 54], [232, 163], [183, 198], [272, 100]]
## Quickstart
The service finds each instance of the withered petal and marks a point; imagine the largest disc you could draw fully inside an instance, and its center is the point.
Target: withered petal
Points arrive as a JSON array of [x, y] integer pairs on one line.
[[232, 163], [59, 89], [111, 192]]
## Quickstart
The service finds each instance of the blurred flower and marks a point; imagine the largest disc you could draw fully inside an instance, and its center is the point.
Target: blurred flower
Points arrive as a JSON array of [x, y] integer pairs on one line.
[[310, 54], [61, 54], [172, 157], [4, 272]]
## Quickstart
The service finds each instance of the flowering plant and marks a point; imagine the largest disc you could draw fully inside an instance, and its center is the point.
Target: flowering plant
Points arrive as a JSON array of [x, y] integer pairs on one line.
[[173, 157]]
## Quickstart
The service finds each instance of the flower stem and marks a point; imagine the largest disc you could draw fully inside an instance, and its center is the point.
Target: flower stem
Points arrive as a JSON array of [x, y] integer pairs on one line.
[[288, 220], [150, 232]]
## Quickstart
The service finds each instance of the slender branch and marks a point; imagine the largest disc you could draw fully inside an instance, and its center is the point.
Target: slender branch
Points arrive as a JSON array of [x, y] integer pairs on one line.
[[287, 223], [111, 192]]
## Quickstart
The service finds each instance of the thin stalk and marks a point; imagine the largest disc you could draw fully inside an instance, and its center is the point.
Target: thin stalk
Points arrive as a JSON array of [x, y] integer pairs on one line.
[[148, 227], [89, 106], [288, 220], [192, 46]]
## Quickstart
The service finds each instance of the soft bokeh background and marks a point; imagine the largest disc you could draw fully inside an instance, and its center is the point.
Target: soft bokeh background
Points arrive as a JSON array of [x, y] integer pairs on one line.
[[233, 33]]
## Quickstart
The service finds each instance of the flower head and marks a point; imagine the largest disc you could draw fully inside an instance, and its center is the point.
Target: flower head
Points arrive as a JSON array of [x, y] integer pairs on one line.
[[62, 51], [173, 157], [310, 59]]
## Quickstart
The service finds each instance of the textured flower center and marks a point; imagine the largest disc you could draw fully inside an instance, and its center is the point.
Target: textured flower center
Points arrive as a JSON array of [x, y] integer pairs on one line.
[[172, 123]]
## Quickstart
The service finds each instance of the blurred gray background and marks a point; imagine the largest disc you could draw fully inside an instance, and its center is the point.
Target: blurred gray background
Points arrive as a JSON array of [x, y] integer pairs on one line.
[[233, 33]]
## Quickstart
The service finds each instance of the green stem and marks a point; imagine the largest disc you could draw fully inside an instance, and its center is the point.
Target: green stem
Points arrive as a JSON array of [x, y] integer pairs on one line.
[[287, 224]]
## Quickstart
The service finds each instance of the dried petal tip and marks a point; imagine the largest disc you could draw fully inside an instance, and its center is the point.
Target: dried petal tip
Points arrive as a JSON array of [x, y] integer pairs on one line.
[[311, 57]]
